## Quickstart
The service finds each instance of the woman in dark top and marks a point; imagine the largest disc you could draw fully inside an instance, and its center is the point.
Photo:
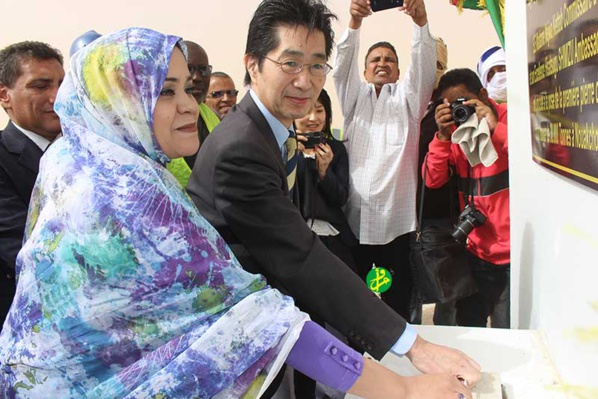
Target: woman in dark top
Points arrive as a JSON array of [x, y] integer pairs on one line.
[[323, 181]]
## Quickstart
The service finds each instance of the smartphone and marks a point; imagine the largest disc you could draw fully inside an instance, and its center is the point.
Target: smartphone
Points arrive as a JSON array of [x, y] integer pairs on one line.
[[379, 5]]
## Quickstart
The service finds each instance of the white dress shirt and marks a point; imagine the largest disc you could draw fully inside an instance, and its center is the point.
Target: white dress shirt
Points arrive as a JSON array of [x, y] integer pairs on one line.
[[40, 141], [383, 138]]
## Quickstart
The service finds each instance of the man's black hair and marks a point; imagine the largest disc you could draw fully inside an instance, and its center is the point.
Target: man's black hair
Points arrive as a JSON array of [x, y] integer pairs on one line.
[[11, 58], [461, 76], [262, 36], [384, 45]]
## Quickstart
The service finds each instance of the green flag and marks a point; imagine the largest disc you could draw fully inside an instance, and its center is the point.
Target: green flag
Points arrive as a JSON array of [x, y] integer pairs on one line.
[[494, 7]]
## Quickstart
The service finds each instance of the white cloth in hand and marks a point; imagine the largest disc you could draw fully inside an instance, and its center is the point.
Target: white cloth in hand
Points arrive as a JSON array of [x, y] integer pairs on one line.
[[473, 136]]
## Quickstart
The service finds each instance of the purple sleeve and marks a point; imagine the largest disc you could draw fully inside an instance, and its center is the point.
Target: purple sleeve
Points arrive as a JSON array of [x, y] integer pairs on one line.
[[322, 357]]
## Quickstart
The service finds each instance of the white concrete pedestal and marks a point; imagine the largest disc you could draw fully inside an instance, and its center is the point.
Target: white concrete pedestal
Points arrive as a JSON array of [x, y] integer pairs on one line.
[[519, 357]]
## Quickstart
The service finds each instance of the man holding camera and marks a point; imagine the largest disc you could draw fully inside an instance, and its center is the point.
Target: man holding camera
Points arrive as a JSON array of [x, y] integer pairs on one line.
[[484, 223]]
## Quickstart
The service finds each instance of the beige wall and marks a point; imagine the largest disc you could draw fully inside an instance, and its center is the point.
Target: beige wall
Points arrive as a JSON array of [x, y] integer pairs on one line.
[[221, 26]]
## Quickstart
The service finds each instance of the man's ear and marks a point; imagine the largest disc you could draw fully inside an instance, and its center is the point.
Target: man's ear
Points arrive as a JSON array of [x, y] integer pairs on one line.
[[251, 65], [483, 95], [4, 96]]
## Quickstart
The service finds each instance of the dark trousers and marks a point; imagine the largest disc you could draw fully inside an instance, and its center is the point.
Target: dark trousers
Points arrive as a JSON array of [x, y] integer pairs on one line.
[[501, 316], [393, 256], [271, 390], [445, 314], [7, 293], [491, 280]]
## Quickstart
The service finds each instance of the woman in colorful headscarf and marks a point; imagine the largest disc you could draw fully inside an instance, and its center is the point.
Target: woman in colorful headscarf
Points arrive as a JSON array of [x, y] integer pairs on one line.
[[124, 289]]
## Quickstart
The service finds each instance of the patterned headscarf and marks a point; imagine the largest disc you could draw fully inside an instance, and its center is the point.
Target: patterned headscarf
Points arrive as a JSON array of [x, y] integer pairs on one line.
[[124, 289]]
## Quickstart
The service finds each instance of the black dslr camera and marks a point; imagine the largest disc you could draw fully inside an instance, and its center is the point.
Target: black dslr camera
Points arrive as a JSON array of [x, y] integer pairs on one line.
[[461, 112], [313, 139], [469, 219]]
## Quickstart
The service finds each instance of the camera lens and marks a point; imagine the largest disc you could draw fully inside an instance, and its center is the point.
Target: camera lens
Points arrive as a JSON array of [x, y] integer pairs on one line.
[[460, 114], [462, 230]]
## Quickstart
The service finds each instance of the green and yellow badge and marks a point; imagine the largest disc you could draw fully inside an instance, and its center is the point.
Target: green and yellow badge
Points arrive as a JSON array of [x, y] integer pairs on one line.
[[379, 279]]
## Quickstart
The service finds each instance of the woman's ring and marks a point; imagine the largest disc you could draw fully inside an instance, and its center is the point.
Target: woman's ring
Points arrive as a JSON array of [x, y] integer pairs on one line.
[[461, 396]]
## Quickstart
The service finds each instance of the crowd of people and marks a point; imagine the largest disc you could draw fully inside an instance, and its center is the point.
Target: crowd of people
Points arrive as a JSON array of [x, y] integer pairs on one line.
[[159, 239]]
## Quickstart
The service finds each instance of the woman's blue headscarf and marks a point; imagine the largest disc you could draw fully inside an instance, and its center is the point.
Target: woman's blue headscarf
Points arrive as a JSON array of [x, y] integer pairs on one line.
[[124, 289]]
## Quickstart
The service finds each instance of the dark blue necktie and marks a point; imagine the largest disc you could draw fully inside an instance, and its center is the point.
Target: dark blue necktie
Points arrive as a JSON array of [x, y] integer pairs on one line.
[[291, 146]]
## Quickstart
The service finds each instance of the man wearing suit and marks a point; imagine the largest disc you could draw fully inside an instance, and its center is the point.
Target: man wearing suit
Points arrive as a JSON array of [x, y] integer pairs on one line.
[[30, 73], [240, 185]]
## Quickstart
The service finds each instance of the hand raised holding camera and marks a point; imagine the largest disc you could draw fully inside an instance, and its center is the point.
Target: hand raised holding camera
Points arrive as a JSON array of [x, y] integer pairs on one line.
[[444, 120], [417, 10], [359, 10]]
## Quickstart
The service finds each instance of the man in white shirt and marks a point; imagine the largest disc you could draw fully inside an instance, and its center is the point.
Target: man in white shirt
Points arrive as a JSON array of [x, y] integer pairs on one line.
[[30, 74], [382, 120]]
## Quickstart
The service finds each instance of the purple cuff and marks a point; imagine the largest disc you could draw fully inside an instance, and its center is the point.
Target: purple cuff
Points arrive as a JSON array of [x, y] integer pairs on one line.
[[322, 357]]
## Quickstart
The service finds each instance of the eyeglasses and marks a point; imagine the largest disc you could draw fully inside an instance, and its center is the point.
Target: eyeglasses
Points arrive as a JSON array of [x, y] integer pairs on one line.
[[221, 93], [294, 67], [204, 70]]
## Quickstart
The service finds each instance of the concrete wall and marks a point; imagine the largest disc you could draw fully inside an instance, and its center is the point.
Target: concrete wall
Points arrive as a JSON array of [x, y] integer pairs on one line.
[[554, 235]]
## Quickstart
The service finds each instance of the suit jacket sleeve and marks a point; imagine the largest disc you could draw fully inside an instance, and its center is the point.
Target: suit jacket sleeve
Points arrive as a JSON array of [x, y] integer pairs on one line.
[[250, 194], [13, 215]]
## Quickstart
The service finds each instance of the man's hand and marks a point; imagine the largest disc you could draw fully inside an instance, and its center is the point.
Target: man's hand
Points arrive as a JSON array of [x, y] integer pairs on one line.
[[444, 121], [359, 10], [417, 10], [430, 358], [483, 111]]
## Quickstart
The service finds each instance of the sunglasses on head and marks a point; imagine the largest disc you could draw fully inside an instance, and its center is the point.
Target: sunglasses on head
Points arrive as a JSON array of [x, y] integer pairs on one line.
[[204, 70], [221, 93]]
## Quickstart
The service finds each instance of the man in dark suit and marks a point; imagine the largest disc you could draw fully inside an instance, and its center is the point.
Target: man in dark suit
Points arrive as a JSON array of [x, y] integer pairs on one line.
[[30, 73], [240, 184]]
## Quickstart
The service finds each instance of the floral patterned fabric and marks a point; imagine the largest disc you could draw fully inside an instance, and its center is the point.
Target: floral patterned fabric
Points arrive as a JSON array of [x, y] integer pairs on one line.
[[124, 289]]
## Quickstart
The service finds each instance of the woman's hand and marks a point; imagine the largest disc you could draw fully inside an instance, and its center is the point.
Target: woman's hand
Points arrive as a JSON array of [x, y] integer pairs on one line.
[[378, 382], [324, 156], [300, 138]]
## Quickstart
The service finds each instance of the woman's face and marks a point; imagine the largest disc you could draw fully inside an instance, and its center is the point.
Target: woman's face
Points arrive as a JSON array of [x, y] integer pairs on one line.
[[176, 111], [314, 121]]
